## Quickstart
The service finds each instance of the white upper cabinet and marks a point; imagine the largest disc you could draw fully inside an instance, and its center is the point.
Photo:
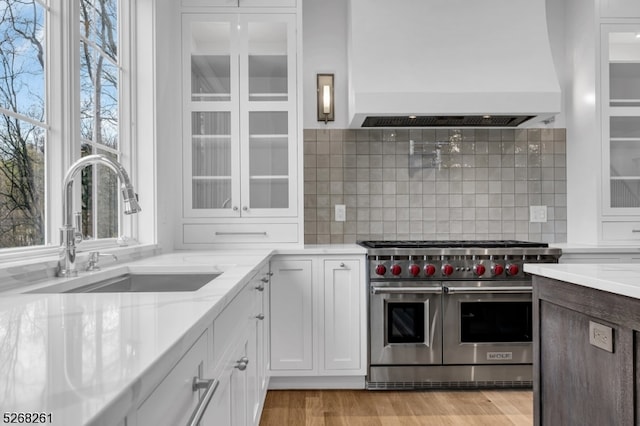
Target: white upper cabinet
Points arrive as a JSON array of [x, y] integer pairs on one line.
[[239, 116], [621, 119], [619, 9], [240, 132]]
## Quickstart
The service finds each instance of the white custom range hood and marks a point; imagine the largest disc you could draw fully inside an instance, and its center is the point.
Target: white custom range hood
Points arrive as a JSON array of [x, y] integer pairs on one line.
[[450, 63]]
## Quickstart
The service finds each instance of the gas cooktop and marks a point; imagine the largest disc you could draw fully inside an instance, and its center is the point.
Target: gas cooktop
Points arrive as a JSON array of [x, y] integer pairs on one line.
[[451, 244]]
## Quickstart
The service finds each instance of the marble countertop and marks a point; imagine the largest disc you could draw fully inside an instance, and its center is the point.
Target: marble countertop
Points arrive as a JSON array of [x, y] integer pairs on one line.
[[617, 278], [595, 248], [86, 358], [309, 249]]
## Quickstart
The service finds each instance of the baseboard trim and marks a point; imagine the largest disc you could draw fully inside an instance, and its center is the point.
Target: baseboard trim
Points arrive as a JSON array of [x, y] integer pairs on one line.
[[327, 382]]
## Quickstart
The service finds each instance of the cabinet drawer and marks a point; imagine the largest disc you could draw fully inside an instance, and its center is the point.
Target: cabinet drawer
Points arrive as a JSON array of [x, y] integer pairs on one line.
[[621, 231], [239, 3], [173, 401], [222, 233], [619, 8]]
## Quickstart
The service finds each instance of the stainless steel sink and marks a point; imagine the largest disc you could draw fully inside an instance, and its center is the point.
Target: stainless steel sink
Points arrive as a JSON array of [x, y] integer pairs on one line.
[[142, 282]]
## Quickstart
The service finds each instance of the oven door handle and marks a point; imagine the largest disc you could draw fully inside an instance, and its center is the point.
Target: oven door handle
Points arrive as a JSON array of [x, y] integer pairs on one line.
[[504, 290], [406, 290]]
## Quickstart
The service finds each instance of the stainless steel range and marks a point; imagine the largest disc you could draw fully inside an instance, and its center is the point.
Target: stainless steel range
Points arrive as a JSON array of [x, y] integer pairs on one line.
[[446, 314]]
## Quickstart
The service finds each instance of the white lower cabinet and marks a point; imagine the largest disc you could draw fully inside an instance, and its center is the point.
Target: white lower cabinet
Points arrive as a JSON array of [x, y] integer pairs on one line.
[[341, 330], [236, 361], [291, 306], [174, 400], [318, 316]]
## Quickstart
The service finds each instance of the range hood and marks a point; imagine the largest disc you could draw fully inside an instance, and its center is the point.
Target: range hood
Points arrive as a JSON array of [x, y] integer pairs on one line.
[[450, 63]]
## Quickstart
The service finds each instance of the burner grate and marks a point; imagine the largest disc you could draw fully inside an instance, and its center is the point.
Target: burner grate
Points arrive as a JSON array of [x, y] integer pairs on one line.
[[452, 244]]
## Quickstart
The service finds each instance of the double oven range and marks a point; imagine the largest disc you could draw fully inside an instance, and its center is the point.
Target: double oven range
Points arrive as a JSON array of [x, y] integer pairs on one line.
[[451, 314]]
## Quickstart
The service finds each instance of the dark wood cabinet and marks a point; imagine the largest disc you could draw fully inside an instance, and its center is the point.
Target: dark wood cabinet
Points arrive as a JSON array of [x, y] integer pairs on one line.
[[576, 382]]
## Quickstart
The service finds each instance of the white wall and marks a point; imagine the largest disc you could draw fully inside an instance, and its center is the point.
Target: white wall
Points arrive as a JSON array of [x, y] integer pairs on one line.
[[324, 50]]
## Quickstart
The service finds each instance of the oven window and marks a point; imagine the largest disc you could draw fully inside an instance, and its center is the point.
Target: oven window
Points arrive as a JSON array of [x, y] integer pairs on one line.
[[405, 322], [495, 322]]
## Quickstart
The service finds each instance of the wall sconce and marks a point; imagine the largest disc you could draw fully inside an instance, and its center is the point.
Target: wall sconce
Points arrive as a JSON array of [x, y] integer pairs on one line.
[[325, 98]]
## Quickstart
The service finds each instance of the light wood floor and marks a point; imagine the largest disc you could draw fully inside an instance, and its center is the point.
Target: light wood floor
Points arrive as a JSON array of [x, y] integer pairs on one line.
[[349, 407]]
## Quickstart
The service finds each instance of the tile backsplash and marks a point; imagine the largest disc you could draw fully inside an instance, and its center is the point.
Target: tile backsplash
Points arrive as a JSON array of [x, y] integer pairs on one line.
[[434, 184]]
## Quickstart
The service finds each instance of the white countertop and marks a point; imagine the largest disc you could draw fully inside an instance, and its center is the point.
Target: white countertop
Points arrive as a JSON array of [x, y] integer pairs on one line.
[[617, 278], [310, 249], [595, 248], [85, 358]]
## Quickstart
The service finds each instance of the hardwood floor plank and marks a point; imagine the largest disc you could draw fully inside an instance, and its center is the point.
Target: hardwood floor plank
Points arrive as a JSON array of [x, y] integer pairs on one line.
[[386, 408]]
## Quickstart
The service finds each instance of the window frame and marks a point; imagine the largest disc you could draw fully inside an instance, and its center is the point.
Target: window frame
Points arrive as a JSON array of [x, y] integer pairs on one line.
[[62, 119]]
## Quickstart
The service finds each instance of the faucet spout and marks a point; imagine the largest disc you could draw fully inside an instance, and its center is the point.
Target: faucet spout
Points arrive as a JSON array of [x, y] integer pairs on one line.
[[68, 234]]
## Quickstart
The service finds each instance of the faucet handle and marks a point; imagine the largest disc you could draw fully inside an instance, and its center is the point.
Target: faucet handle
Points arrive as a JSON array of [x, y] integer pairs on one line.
[[94, 258]]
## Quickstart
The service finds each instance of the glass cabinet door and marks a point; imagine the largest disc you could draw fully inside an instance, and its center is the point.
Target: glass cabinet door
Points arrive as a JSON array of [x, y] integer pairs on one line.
[[211, 148], [239, 124], [268, 105], [621, 118]]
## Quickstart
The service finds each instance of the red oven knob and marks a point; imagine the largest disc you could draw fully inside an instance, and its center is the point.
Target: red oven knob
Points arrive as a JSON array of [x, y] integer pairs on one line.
[[429, 270], [479, 269], [497, 269], [414, 270], [447, 269], [381, 270], [512, 269], [396, 269]]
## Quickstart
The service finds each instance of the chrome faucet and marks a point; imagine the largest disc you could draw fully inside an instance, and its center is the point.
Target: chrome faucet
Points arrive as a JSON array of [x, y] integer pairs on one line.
[[71, 235]]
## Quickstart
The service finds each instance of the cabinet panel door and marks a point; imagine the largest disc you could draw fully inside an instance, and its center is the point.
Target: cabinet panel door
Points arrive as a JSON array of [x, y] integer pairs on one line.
[[239, 387], [173, 401], [291, 327], [341, 326]]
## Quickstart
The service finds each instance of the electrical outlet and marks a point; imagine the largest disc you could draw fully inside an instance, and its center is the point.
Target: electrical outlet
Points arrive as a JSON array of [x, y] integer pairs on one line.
[[537, 213], [341, 212]]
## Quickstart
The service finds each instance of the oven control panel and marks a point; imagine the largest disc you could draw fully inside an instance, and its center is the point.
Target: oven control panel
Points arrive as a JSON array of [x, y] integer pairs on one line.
[[452, 267]]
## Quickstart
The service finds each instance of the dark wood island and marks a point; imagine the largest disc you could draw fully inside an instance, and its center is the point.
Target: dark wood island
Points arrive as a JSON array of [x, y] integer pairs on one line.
[[586, 344]]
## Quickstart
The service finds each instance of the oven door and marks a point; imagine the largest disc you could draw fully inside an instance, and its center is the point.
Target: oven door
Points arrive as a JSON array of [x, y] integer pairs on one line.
[[405, 326], [487, 323]]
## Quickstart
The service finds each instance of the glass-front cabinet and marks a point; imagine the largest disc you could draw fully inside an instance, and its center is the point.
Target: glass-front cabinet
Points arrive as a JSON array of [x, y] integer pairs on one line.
[[621, 119], [240, 119]]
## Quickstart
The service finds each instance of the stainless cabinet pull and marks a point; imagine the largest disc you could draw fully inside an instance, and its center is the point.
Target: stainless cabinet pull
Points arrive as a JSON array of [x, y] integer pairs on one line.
[[210, 387], [240, 233], [259, 287], [412, 290], [260, 316], [291, 270], [522, 289], [342, 264], [264, 280], [635, 230]]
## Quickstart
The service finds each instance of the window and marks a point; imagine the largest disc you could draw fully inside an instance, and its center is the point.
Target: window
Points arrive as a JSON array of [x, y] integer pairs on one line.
[[23, 124], [99, 131], [38, 141]]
